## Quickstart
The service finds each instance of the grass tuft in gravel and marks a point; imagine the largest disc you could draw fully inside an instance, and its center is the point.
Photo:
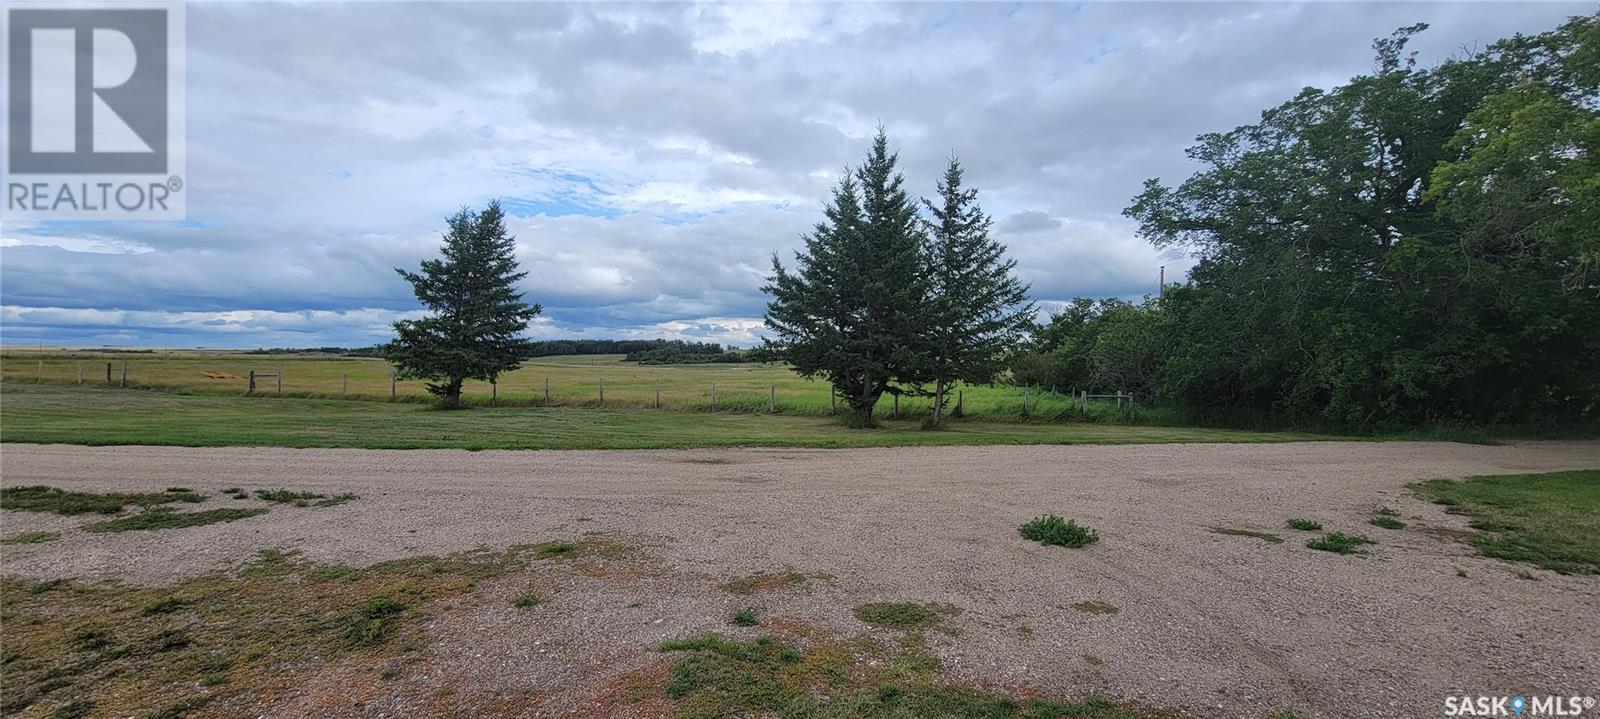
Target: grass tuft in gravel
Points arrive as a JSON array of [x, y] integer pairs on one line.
[[371, 623], [1549, 520], [166, 518], [745, 618], [31, 538], [1052, 530], [39, 498], [525, 600], [1263, 536], [860, 679], [1340, 543], [303, 498], [1304, 525], [904, 615], [1386, 522], [1096, 607], [164, 605]]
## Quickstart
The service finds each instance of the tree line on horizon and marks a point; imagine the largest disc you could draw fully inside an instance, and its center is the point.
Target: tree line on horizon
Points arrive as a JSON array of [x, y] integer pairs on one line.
[[1417, 245]]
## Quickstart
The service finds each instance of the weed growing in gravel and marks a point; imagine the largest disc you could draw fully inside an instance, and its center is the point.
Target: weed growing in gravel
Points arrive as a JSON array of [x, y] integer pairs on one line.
[[31, 538], [1549, 520], [1053, 530], [861, 679], [1461, 572], [372, 622], [1386, 522], [1263, 536], [39, 498], [1339, 543], [1096, 607], [1386, 512], [165, 518], [756, 583], [525, 600], [303, 499], [745, 618], [1304, 525], [904, 615], [268, 628]]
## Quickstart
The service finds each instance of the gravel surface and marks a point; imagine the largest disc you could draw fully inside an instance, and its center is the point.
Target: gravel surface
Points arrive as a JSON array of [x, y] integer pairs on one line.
[[1207, 624]]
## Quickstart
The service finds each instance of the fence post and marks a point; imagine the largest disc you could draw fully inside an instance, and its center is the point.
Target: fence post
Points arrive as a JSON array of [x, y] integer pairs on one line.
[[124, 373], [344, 385], [547, 389], [494, 392], [1083, 398], [1025, 397], [960, 397], [833, 403], [602, 390], [280, 380], [80, 373], [658, 393], [108, 374], [252, 388], [41, 369], [393, 378], [896, 413], [713, 394], [772, 398]]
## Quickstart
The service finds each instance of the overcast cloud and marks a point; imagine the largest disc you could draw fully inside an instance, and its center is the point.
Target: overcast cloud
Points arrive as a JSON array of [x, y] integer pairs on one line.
[[655, 156]]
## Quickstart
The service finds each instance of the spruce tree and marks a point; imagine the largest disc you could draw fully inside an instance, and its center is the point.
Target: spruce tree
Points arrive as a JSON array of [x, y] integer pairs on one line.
[[852, 310], [976, 308], [477, 315]]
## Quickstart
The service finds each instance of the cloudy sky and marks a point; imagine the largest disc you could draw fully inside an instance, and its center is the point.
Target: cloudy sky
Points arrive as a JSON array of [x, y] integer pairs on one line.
[[655, 156]]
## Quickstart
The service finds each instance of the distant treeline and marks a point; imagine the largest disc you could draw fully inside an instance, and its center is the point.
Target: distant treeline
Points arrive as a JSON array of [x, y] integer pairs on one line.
[[657, 351], [373, 351]]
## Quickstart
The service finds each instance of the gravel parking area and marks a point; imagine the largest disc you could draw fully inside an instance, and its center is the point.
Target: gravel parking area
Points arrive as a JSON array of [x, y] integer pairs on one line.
[[1206, 624]]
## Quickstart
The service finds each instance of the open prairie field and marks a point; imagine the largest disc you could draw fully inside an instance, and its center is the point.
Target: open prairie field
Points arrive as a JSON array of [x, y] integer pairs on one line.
[[1264, 581], [574, 381], [53, 413]]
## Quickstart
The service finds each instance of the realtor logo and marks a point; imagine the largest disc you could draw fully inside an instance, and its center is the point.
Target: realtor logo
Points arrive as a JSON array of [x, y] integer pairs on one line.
[[94, 112]]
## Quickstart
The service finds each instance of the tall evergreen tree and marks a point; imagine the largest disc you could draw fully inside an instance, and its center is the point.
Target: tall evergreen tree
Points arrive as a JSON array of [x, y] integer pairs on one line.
[[851, 311], [477, 315], [976, 309]]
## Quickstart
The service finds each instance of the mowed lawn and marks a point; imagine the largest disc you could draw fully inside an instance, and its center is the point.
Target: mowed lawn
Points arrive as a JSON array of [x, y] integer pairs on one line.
[[573, 380], [49, 413]]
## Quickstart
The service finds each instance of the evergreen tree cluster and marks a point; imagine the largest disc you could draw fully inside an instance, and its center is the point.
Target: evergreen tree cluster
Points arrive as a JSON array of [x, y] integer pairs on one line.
[[885, 299]]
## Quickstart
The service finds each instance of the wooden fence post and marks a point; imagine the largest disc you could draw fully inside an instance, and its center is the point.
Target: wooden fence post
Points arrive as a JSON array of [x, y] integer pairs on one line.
[[1084, 401], [896, 413], [393, 379], [960, 396], [494, 392], [602, 390], [772, 398], [833, 403], [41, 369], [251, 389], [344, 385], [547, 389], [108, 374], [1025, 398], [280, 380], [80, 373], [124, 373], [658, 393], [713, 394]]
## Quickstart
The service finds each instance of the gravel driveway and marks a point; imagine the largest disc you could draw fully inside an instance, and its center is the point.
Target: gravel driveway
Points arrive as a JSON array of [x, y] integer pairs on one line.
[[1206, 623]]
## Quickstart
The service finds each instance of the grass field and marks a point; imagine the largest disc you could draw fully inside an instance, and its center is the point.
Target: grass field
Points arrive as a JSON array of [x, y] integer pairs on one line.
[[574, 381], [1551, 520], [49, 413]]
